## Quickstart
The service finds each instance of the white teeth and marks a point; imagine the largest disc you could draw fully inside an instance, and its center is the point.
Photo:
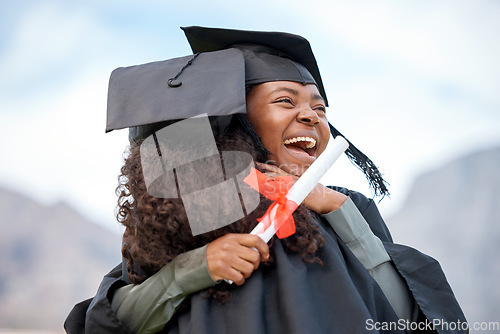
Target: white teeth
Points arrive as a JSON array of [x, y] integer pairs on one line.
[[311, 141]]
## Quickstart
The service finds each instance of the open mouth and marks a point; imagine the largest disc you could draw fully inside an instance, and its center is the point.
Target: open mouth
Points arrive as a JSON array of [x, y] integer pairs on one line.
[[301, 145]]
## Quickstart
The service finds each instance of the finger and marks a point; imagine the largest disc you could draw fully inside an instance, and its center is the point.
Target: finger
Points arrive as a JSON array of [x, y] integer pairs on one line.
[[263, 249], [232, 275], [246, 246], [236, 277], [251, 255], [256, 242], [244, 267]]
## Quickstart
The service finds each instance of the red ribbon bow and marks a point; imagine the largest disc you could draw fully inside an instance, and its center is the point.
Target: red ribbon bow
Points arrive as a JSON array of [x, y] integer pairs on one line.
[[276, 191]]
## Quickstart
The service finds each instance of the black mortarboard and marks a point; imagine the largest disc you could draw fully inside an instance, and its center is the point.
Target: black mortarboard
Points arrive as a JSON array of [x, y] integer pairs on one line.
[[146, 97], [269, 56]]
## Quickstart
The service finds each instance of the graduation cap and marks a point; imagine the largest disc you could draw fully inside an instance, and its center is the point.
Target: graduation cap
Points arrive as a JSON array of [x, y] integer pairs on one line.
[[148, 97], [269, 56]]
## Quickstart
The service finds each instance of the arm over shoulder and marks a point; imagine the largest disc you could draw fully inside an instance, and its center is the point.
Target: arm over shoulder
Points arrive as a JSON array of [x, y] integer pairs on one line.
[[110, 311], [95, 315], [147, 307]]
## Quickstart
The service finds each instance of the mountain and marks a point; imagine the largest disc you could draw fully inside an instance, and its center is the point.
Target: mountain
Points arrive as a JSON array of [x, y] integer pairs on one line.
[[51, 258], [453, 214]]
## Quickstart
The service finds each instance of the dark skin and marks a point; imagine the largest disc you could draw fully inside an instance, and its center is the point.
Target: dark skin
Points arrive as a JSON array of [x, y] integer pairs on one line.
[[290, 119], [233, 256]]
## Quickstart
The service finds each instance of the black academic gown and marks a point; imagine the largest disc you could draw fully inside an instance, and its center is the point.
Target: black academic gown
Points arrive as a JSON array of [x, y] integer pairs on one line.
[[294, 297]]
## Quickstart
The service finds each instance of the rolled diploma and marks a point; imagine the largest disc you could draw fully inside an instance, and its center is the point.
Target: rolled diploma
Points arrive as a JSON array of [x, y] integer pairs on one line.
[[306, 183]]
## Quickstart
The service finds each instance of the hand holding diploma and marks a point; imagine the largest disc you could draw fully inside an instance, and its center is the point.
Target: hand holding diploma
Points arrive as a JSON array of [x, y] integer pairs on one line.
[[233, 257], [280, 212], [271, 222]]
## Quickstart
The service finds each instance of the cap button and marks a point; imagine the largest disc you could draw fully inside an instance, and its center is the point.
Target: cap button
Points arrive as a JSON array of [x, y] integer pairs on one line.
[[174, 83]]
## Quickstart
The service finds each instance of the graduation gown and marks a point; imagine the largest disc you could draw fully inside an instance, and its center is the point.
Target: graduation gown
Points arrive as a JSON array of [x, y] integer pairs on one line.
[[296, 297]]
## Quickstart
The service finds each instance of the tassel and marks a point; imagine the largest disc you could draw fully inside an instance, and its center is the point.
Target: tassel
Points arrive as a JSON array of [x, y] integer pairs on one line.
[[372, 174]]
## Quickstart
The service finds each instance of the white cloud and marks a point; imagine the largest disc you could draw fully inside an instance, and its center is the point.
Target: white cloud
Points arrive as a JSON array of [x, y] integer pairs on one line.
[[45, 37], [453, 40]]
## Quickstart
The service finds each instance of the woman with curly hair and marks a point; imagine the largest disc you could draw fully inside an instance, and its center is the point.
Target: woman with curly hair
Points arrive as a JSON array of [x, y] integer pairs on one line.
[[339, 272]]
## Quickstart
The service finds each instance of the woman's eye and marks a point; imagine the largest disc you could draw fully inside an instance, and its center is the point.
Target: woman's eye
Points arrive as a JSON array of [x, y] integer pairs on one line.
[[321, 109], [284, 100]]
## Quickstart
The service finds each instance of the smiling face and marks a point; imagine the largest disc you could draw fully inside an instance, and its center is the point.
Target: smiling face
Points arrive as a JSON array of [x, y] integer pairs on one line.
[[290, 119]]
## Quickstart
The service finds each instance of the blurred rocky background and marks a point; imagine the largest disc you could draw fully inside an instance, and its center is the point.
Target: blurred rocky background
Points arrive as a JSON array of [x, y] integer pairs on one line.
[[51, 257], [453, 214]]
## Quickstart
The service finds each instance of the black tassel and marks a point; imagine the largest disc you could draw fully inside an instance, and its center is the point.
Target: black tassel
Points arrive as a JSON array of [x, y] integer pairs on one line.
[[373, 175]]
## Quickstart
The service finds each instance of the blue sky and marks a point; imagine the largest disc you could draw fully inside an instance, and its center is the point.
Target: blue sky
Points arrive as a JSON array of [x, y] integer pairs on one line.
[[413, 84]]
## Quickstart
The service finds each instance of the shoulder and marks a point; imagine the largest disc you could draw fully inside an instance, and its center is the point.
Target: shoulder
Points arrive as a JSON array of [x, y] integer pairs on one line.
[[368, 209], [96, 315]]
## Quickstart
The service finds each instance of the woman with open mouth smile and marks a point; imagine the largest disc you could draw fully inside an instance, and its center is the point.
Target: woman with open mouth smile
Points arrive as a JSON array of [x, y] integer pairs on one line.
[[261, 96], [290, 119]]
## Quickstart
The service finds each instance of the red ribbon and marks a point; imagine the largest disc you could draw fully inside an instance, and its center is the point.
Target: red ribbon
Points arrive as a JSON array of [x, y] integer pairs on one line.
[[276, 191]]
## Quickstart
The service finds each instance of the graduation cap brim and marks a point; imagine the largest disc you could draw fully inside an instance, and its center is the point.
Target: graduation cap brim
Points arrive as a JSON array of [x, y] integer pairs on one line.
[[212, 84], [204, 39]]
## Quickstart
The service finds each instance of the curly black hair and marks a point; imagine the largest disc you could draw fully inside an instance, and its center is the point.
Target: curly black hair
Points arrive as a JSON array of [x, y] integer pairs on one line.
[[157, 229]]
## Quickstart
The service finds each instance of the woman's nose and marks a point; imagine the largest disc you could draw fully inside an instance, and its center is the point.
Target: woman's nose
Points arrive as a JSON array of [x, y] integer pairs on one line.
[[308, 116]]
